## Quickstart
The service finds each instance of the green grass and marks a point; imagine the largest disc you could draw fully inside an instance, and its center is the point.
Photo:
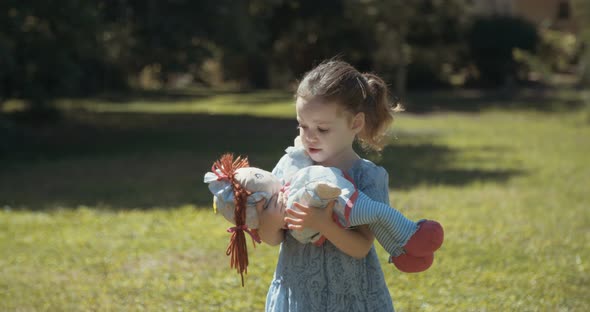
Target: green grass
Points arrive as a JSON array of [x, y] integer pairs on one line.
[[106, 210]]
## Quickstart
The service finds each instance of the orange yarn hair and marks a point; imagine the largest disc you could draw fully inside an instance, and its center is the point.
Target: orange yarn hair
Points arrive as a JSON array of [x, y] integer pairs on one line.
[[236, 249]]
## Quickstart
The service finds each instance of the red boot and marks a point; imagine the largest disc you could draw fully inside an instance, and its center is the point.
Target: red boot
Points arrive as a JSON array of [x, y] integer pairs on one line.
[[411, 264], [420, 248], [427, 239]]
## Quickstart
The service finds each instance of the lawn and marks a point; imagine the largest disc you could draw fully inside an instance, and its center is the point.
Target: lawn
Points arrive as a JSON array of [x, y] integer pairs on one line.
[[106, 210]]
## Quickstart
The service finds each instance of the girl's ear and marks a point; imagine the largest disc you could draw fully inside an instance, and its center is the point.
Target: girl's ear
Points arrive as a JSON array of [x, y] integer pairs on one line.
[[358, 122]]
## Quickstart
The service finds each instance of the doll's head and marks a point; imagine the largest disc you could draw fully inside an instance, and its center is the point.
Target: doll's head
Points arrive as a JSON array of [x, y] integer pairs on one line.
[[230, 177], [236, 189]]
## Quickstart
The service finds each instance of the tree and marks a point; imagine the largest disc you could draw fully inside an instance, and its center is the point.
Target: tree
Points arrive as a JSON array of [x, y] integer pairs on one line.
[[581, 10], [305, 32], [79, 48], [44, 47], [492, 41], [413, 35]]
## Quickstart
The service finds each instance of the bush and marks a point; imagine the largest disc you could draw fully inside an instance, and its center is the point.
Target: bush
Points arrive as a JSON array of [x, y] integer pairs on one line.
[[492, 41], [424, 75]]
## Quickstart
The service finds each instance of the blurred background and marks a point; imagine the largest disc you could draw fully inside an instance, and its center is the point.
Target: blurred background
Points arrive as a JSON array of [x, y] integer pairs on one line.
[[81, 49], [112, 111]]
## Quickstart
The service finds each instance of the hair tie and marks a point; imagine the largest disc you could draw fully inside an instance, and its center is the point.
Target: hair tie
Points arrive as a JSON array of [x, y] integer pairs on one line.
[[362, 88], [246, 229]]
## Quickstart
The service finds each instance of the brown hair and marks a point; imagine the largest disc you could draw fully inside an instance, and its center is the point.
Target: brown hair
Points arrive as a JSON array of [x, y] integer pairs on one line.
[[356, 92]]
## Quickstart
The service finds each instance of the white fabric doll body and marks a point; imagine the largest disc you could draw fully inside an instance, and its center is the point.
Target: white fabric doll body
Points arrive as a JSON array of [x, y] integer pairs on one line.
[[313, 186]]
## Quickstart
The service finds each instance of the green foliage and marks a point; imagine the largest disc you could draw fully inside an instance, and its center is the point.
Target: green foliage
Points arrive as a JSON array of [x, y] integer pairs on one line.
[[426, 36], [492, 41], [582, 13], [114, 216], [303, 33], [557, 52], [558, 49], [79, 49], [43, 47]]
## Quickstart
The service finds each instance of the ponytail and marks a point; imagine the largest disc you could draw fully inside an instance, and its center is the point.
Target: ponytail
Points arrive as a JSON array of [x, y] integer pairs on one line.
[[357, 93], [378, 110]]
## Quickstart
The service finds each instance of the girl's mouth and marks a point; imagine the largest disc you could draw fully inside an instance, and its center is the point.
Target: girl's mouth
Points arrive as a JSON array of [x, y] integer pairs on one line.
[[314, 150]]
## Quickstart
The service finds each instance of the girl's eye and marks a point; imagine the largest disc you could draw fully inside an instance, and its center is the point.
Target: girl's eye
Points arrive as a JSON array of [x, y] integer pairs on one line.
[[301, 127], [323, 130]]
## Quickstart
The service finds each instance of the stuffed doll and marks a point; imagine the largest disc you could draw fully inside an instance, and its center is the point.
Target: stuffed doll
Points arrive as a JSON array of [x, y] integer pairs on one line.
[[237, 188]]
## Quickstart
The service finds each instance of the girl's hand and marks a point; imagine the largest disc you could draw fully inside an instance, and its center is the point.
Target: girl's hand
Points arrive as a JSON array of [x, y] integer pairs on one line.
[[272, 216], [355, 243], [271, 223], [309, 217]]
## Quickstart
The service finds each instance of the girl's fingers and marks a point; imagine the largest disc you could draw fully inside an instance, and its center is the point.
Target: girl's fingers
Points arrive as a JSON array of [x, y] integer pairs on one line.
[[295, 213], [295, 227], [330, 205], [293, 221], [301, 207]]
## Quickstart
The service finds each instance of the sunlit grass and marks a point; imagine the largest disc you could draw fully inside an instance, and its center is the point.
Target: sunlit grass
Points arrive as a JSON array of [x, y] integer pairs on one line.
[[81, 259], [510, 187], [265, 103]]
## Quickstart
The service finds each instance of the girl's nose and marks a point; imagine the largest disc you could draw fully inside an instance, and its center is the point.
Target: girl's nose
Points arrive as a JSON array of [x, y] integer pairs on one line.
[[310, 137]]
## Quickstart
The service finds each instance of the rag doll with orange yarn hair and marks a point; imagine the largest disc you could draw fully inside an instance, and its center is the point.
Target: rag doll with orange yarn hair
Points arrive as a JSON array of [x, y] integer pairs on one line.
[[237, 188]]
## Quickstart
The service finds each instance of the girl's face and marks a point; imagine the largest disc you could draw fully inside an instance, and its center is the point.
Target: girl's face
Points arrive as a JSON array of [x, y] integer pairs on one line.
[[327, 131]]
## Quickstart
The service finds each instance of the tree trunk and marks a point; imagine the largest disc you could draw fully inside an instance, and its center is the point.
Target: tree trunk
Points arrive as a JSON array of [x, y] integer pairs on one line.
[[401, 68]]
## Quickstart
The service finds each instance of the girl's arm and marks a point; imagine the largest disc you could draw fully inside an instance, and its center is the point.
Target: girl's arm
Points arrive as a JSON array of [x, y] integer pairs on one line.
[[270, 224], [355, 243]]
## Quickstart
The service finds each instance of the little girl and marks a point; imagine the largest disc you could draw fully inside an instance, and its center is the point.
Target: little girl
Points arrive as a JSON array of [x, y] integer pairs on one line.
[[336, 105]]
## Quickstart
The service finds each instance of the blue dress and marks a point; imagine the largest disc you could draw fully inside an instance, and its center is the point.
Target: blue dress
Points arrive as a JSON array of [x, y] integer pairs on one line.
[[322, 278]]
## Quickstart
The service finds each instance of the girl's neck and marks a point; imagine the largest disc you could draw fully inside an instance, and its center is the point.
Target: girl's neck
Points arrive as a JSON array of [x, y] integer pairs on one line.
[[343, 160]]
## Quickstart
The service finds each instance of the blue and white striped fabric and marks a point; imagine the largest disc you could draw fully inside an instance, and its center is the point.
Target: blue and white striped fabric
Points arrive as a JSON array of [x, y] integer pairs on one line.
[[391, 228]]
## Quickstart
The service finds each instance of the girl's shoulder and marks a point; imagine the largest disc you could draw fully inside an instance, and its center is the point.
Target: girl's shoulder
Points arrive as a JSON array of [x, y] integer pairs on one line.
[[364, 171], [371, 179], [366, 166]]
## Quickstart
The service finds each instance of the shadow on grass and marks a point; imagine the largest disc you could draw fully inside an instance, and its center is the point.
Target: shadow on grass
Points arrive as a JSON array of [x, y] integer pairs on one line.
[[142, 161], [157, 96], [129, 160], [430, 164]]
